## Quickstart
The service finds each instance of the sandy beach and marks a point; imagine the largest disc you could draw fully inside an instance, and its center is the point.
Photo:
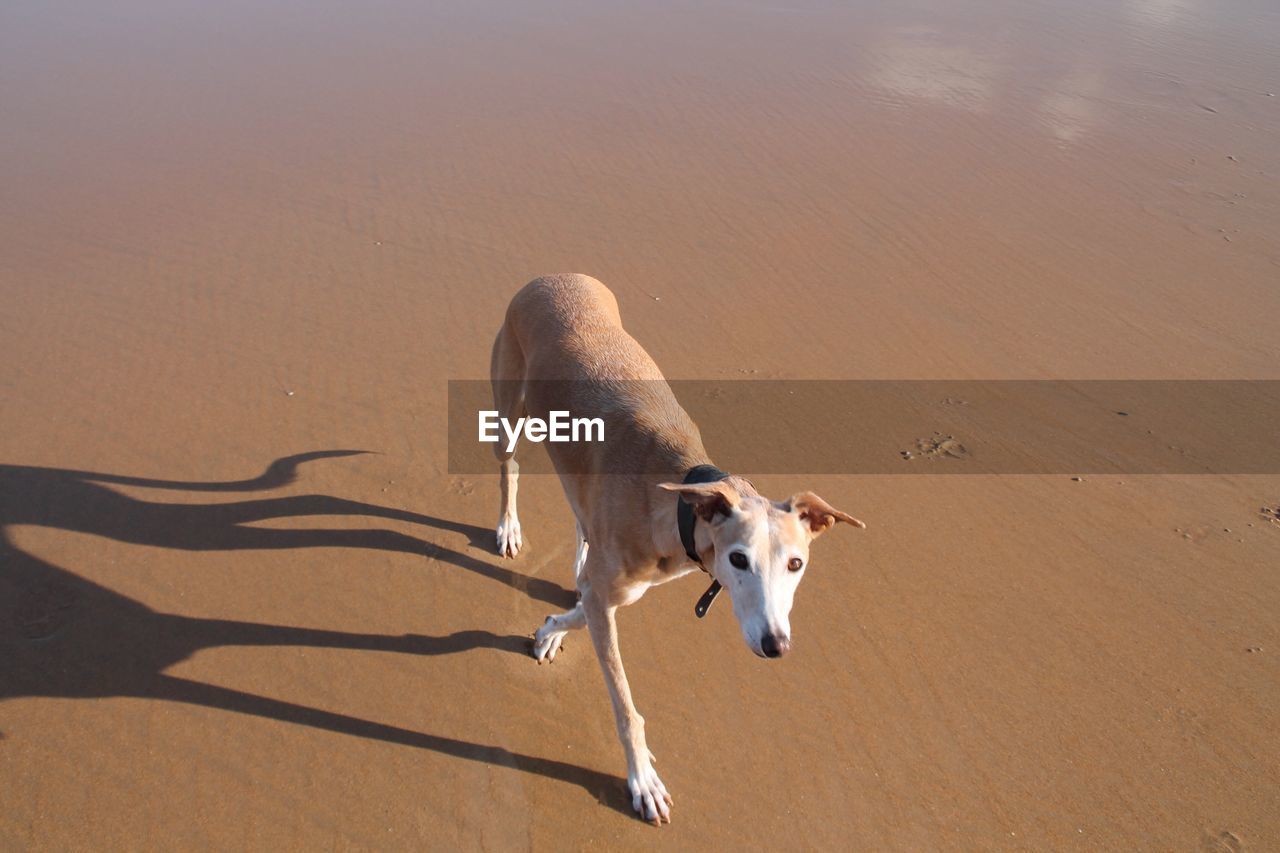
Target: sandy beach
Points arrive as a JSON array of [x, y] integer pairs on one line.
[[245, 603]]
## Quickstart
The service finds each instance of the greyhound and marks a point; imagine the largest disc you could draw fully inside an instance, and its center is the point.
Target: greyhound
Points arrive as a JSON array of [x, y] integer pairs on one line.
[[562, 347]]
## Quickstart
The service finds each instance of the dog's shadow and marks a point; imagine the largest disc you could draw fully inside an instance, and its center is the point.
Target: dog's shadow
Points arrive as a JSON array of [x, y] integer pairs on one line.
[[67, 637]]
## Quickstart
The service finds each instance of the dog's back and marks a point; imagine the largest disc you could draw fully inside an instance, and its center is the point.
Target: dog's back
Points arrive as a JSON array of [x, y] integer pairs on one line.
[[568, 327], [562, 348]]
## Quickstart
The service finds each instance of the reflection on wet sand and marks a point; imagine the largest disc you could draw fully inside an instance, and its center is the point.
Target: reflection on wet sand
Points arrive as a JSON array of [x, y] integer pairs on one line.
[[1161, 13], [923, 63], [1072, 105]]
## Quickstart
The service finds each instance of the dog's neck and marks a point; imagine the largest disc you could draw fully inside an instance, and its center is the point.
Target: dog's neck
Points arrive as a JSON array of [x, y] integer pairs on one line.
[[688, 528], [666, 516], [687, 518]]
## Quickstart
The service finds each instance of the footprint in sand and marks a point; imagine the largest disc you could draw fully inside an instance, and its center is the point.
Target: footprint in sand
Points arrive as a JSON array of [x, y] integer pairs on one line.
[[1221, 842], [937, 446], [1194, 532], [1271, 514]]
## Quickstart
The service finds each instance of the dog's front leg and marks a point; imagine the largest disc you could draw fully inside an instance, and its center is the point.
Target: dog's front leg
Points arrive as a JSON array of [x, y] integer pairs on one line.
[[649, 796]]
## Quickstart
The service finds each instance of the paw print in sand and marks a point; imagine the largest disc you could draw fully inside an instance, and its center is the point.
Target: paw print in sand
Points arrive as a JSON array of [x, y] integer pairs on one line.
[[936, 446]]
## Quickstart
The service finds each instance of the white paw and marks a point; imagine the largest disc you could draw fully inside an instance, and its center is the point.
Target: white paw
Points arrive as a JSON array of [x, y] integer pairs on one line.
[[509, 539], [649, 796], [547, 641]]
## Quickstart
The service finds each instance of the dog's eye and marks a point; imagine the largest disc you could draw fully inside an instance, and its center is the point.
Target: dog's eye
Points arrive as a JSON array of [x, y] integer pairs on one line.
[[795, 564], [738, 560]]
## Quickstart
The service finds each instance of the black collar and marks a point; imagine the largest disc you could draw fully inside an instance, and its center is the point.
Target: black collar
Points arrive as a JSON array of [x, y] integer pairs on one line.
[[685, 521]]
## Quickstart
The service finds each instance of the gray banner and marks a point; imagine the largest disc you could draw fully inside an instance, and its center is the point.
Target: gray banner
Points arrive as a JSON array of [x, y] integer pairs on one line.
[[936, 426]]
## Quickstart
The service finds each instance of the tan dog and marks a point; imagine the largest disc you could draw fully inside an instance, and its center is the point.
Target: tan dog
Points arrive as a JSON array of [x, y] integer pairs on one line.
[[566, 329]]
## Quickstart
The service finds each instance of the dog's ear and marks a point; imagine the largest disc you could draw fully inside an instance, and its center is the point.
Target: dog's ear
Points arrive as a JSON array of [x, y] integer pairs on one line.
[[707, 499], [818, 514]]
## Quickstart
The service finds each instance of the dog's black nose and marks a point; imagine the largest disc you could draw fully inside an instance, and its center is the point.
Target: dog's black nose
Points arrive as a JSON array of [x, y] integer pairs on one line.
[[774, 647]]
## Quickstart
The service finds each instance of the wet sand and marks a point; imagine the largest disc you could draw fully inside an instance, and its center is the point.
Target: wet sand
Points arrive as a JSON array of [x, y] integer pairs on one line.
[[233, 235]]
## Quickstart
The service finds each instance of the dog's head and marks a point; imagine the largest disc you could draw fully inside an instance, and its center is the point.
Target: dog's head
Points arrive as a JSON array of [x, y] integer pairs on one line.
[[761, 551]]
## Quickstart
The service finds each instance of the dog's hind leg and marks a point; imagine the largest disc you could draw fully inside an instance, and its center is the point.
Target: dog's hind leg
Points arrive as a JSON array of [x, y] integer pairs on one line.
[[549, 637], [506, 373]]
